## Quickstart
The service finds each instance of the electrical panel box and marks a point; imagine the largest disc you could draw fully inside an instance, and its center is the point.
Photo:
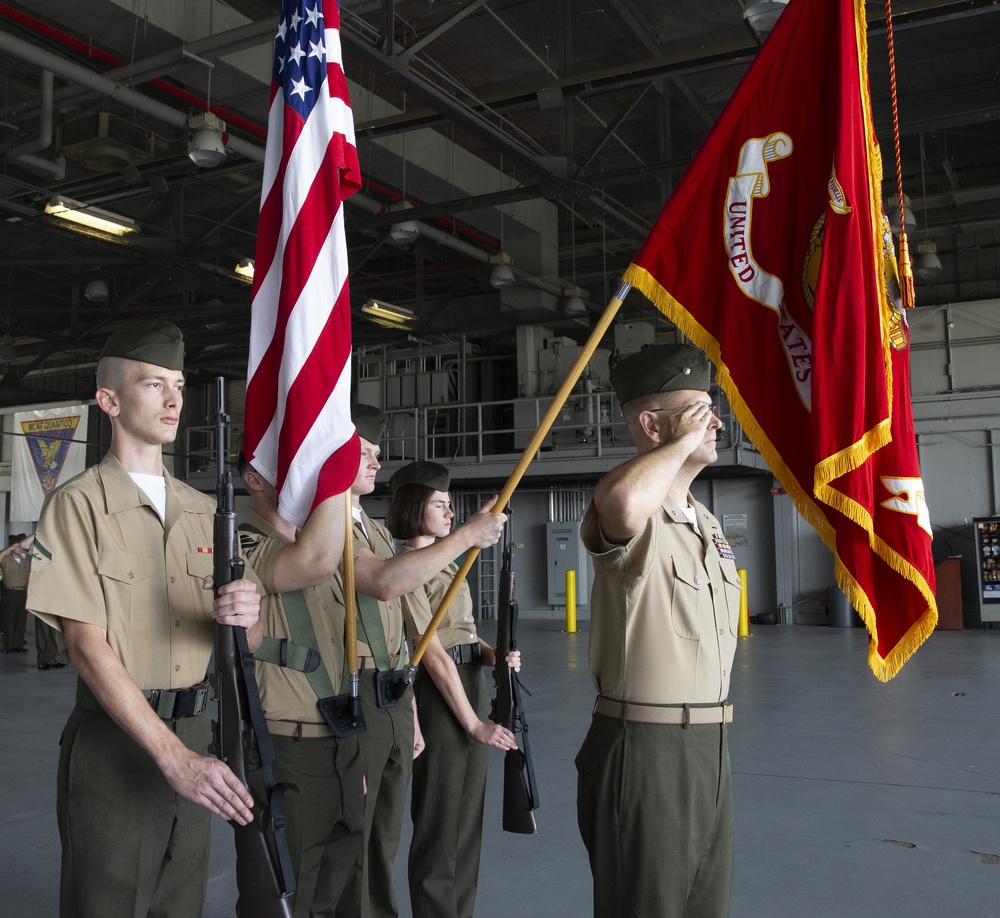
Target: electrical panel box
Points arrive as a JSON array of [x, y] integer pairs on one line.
[[632, 337], [566, 553]]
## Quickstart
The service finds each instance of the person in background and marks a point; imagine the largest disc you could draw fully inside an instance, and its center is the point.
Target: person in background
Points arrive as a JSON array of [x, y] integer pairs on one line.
[[392, 739], [654, 790], [453, 702], [122, 564], [15, 567], [46, 643]]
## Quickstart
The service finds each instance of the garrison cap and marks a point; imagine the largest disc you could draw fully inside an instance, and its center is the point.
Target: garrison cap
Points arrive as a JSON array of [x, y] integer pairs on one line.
[[663, 368], [369, 420], [432, 474], [150, 341]]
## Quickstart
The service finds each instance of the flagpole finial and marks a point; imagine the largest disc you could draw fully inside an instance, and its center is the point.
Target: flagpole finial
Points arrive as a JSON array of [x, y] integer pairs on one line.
[[905, 273]]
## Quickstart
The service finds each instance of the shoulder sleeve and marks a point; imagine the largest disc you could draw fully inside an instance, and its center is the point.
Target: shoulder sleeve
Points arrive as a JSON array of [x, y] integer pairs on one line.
[[65, 563], [261, 553], [418, 613], [630, 561]]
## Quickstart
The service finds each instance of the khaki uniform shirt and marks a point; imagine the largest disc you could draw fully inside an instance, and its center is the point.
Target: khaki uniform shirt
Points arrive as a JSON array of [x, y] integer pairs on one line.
[[379, 540], [15, 568], [102, 556], [458, 625], [286, 694], [664, 610]]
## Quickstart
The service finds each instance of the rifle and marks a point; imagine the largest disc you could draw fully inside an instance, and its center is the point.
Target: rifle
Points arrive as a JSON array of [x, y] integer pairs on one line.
[[264, 874], [520, 794]]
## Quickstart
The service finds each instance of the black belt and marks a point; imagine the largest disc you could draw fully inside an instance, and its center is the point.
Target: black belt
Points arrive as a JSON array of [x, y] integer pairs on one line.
[[466, 654], [167, 704]]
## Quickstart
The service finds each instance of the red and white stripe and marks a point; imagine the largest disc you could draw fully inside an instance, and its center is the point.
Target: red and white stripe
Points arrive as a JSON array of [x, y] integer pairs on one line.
[[298, 418]]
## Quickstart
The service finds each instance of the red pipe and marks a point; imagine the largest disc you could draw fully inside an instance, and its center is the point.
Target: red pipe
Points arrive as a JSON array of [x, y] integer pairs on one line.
[[88, 49], [451, 224]]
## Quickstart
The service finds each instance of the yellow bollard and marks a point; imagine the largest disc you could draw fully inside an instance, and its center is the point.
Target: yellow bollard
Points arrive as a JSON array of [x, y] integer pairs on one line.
[[571, 602], [744, 626]]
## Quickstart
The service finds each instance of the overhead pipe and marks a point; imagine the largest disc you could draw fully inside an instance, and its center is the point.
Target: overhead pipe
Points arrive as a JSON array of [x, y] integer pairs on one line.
[[456, 244], [25, 153], [553, 185], [69, 70]]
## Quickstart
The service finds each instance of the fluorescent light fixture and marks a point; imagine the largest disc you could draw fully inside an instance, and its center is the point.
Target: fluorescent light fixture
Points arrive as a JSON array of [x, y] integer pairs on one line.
[[389, 316], [89, 216], [404, 232], [245, 268]]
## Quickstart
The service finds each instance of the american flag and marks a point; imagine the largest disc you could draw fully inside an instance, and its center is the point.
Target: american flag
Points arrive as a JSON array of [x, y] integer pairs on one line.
[[298, 421]]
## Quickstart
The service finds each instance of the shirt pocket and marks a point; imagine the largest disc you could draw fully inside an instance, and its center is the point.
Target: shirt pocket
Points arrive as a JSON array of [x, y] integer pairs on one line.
[[688, 594], [133, 592], [201, 564]]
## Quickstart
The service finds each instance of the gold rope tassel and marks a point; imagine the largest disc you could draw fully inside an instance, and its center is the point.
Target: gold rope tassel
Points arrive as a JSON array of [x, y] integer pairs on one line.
[[905, 272]]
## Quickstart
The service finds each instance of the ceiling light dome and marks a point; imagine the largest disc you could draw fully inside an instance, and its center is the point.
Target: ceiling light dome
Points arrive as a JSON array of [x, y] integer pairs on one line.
[[206, 148]]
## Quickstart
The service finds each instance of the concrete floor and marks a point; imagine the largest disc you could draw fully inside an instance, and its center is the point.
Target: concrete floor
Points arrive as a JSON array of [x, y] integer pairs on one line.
[[853, 798]]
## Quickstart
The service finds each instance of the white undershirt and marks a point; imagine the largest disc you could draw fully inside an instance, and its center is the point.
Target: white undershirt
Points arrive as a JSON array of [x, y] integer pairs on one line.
[[689, 512], [155, 488]]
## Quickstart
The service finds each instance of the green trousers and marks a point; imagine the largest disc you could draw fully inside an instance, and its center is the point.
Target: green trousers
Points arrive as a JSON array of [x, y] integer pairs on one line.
[[13, 617], [655, 810], [449, 789], [325, 821], [131, 847], [46, 644], [387, 757]]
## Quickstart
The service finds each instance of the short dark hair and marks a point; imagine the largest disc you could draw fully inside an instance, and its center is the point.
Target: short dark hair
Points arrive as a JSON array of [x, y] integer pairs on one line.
[[405, 519]]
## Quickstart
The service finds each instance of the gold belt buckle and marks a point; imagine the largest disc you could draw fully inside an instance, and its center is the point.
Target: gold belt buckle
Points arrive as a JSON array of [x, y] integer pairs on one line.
[[727, 713]]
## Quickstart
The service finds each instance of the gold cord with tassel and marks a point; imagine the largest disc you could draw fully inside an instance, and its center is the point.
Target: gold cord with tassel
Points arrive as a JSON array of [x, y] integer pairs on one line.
[[905, 266]]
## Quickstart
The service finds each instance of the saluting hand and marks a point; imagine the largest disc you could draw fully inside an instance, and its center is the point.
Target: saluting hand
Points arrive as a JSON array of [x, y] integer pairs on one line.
[[689, 425]]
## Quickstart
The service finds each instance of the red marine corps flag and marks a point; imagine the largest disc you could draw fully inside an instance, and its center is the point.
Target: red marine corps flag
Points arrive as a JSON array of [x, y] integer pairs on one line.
[[298, 418], [773, 255]]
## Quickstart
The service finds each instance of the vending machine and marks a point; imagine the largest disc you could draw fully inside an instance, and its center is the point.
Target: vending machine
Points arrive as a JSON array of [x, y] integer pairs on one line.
[[986, 534]]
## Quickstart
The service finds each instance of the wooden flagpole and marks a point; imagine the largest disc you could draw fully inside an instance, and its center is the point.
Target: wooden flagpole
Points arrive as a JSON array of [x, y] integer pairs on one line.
[[522, 465], [350, 605]]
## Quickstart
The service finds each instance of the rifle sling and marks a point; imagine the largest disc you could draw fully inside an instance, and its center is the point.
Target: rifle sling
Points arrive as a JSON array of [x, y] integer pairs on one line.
[[265, 749]]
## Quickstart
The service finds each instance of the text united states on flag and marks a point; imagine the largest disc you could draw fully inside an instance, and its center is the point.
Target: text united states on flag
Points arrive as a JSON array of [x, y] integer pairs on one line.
[[774, 256], [298, 431]]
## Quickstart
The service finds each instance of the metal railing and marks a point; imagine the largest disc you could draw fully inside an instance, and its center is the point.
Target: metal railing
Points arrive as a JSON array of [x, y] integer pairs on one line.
[[590, 424]]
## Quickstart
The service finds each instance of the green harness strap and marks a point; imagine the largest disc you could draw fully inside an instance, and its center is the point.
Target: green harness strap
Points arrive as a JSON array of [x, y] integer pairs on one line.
[[370, 623], [300, 652]]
